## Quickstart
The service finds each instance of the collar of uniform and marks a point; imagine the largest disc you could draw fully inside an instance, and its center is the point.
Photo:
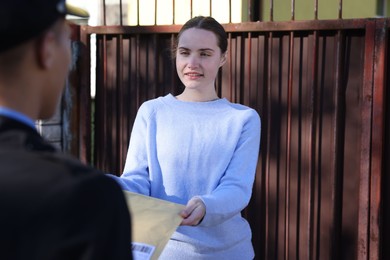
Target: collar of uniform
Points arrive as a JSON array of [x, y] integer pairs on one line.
[[4, 111]]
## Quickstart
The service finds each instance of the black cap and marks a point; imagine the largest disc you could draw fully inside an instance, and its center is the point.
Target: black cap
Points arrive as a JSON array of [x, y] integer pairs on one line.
[[22, 20]]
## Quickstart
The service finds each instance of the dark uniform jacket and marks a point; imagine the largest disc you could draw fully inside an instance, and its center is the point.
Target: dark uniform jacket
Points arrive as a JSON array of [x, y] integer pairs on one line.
[[54, 207]]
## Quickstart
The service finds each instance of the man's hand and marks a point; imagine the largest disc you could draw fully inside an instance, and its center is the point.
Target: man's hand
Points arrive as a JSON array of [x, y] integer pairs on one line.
[[193, 212]]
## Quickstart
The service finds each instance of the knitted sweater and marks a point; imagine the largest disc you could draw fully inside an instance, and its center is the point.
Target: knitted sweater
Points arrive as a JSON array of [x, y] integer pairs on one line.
[[209, 149]]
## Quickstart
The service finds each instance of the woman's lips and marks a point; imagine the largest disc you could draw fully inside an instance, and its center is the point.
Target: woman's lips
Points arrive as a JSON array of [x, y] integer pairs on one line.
[[193, 75]]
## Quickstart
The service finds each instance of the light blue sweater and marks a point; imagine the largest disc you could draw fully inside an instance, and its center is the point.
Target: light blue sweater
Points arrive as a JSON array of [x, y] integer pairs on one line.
[[210, 149]]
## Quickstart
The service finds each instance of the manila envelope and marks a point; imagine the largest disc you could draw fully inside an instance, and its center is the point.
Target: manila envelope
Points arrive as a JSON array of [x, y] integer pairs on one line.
[[153, 221]]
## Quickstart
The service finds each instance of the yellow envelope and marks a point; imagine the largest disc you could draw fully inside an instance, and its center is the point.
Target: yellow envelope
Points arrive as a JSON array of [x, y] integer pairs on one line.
[[153, 223]]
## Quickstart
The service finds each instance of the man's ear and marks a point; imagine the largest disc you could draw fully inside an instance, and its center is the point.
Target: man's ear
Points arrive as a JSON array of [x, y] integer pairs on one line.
[[45, 50], [223, 59]]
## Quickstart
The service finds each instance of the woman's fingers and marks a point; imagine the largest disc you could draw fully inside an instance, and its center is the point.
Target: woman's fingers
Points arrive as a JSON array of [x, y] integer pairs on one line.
[[193, 213]]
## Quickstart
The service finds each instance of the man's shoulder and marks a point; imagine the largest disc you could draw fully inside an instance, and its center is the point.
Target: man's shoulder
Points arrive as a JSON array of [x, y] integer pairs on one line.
[[30, 164], [38, 170]]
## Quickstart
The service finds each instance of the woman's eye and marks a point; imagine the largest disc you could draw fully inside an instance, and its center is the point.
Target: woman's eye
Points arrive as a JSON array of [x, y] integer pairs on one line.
[[185, 53], [205, 54]]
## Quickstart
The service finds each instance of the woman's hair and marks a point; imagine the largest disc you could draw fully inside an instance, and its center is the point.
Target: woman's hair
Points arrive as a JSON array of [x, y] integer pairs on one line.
[[206, 23]]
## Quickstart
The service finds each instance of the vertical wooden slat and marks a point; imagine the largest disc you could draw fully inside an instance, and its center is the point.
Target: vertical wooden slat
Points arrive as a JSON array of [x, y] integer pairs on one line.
[[230, 11], [268, 147], [298, 133], [340, 9], [260, 87], [313, 190], [84, 111], [138, 71], [312, 147], [155, 57], [173, 12], [211, 7], [104, 12], [338, 147], [173, 61], [248, 75], [155, 12], [250, 10], [230, 66], [191, 8], [125, 107], [99, 76], [327, 132], [302, 134], [120, 13], [292, 10], [119, 106], [257, 97], [138, 12], [112, 104], [288, 144], [378, 135], [365, 152], [236, 86], [101, 105], [385, 221]]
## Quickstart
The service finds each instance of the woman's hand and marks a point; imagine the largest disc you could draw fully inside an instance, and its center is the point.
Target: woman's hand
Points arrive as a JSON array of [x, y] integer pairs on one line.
[[193, 213]]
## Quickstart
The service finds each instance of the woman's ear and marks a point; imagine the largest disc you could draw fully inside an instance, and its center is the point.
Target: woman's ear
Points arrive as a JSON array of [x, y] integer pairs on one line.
[[223, 59]]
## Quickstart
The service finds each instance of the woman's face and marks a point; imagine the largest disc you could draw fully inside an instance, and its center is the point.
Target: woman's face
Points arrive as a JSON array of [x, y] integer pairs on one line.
[[198, 58]]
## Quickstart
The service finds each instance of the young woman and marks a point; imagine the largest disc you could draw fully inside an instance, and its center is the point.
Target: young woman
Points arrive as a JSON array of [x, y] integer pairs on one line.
[[198, 150]]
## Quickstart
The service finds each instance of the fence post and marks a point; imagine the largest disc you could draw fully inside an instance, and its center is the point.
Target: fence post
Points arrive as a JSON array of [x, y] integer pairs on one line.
[[371, 171]]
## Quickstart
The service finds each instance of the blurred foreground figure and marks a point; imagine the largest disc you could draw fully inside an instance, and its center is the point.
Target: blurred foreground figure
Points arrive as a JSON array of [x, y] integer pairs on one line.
[[51, 205]]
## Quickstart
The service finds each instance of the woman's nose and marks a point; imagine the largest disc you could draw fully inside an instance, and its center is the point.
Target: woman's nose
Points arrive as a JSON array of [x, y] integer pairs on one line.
[[193, 62]]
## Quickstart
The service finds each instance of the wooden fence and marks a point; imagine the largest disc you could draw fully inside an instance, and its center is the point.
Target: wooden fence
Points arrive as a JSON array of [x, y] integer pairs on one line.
[[322, 187]]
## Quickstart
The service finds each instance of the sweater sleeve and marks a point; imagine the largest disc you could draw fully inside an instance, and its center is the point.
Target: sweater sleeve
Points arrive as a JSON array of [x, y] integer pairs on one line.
[[233, 193], [135, 176]]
